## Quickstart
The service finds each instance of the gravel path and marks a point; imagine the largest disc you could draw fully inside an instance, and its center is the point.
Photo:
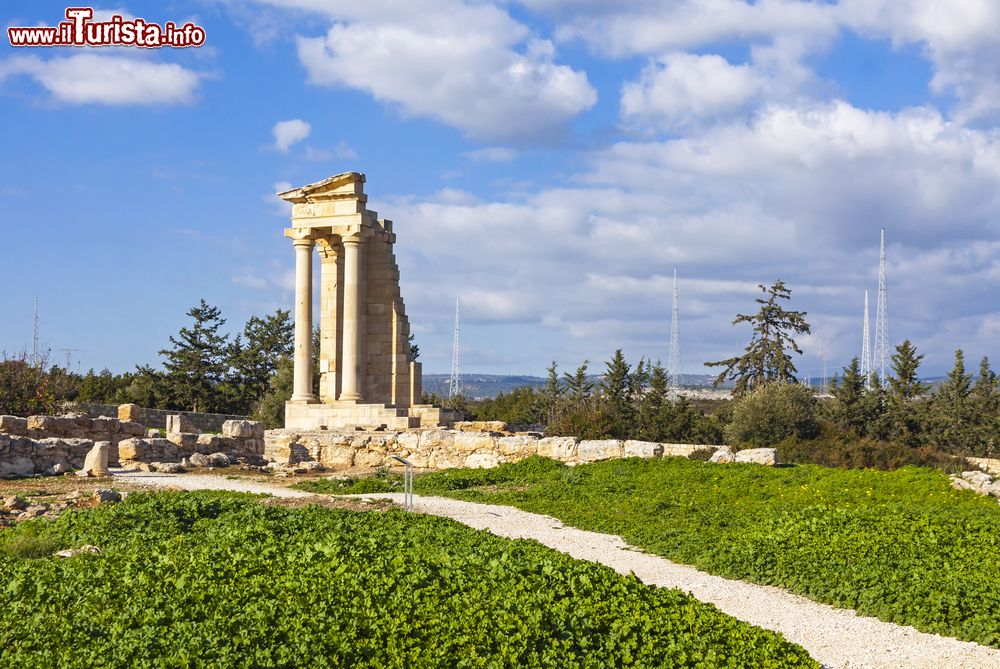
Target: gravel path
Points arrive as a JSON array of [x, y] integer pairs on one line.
[[837, 638]]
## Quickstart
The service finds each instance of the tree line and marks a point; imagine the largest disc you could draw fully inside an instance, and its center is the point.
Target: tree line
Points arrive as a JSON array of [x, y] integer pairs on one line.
[[204, 369]]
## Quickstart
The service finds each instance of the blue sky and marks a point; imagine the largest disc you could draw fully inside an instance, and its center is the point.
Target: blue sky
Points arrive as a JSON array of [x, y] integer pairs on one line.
[[548, 162]]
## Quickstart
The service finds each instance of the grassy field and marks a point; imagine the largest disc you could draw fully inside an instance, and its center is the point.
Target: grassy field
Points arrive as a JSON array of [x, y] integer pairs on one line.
[[901, 545], [226, 580]]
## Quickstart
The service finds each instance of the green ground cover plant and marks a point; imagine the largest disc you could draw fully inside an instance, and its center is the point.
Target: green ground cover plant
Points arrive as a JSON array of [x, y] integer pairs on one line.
[[223, 580], [899, 545]]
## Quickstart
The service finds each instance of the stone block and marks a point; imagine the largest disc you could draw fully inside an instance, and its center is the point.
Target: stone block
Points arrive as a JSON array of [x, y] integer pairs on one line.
[[132, 449], [105, 425], [472, 442], [723, 455], [563, 449], [13, 425], [337, 456], [243, 429], [96, 463], [595, 450], [643, 449], [185, 441], [481, 426], [130, 413], [482, 461], [207, 443], [517, 446], [433, 440], [760, 456], [369, 459], [179, 423], [132, 429], [19, 465]]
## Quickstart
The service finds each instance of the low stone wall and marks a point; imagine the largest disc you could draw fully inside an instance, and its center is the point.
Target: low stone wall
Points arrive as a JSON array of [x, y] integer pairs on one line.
[[445, 449], [988, 465], [26, 456], [157, 418], [241, 440], [73, 428]]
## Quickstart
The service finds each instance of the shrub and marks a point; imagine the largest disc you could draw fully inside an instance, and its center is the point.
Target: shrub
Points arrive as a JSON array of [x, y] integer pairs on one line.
[[772, 413]]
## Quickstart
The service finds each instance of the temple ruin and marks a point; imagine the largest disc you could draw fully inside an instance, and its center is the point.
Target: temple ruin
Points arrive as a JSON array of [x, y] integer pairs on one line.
[[368, 378]]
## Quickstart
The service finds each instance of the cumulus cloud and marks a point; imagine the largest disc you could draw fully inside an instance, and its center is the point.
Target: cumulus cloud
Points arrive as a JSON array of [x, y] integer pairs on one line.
[[287, 133], [959, 37], [682, 89], [466, 64], [798, 194], [87, 78]]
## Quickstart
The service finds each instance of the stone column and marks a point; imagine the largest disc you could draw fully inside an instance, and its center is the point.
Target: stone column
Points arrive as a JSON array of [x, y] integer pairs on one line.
[[349, 368], [302, 380]]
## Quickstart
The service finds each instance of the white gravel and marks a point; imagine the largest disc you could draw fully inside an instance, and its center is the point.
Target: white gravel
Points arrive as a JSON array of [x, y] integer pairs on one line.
[[837, 638]]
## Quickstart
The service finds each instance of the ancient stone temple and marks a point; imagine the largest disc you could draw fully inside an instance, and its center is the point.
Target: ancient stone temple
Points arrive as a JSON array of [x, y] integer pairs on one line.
[[368, 378]]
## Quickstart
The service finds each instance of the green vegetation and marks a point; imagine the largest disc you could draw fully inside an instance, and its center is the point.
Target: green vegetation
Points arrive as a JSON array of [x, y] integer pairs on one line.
[[902, 545], [766, 359], [772, 413], [222, 580]]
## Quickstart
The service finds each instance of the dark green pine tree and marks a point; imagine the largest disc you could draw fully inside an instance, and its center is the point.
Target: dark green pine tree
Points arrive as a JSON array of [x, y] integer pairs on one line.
[[849, 394], [549, 397], [578, 387], [766, 359], [874, 406], [951, 408], [197, 365], [654, 408], [985, 399], [255, 356], [904, 412], [616, 395]]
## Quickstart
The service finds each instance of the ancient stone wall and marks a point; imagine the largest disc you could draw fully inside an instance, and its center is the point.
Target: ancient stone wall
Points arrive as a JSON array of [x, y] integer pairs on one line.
[[157, 418], [445, 449], [27, 456], [78, 427], [241, 440]]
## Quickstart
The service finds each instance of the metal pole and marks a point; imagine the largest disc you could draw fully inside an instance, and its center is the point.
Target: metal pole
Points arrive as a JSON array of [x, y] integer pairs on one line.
[[407, 482]]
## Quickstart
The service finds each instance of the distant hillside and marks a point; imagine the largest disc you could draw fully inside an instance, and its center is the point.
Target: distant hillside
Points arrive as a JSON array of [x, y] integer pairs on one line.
[[480, 386]]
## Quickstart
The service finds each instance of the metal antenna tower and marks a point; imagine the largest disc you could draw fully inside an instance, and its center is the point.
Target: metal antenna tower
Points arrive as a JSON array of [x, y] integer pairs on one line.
[[880, 362], [824, 387], [455, 382], [69, 355], [674, 360], [34, 338], [866, 351]]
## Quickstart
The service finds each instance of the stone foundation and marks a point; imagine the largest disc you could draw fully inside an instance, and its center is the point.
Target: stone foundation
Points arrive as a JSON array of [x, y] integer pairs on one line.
[[74, 428], [446, 449], [241, 440], [26, 456]]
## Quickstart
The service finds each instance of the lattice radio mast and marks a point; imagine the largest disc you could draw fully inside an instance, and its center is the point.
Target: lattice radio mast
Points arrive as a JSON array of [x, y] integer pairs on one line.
[[866, 351], [881, 320], [674, 360], [455, 382], [35, 360]]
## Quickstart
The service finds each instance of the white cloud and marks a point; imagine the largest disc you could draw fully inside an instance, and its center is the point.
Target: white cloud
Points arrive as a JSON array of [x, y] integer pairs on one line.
[[959, 38], [278, 206], [86, 78], [342, 151], [491, 154], [653, 27], [467, 64], [684, 89], [287, 133], [798, 194]]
